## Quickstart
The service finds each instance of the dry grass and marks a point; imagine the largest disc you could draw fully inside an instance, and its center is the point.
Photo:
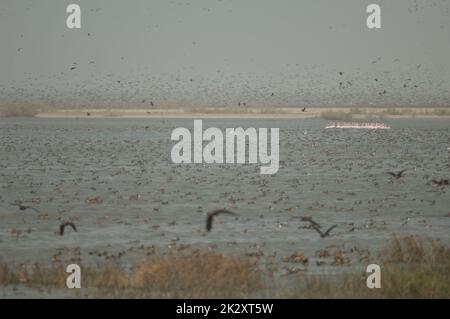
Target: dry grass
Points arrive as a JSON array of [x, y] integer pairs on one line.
[[411, 267], [414, 250], [200, 275], [106, 276]]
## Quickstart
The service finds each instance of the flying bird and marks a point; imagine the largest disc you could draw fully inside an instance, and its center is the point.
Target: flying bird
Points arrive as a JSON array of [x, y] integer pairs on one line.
[[214, 213], [322, 234], [64, 225], [317, 227], [25, 207], [398, 174]]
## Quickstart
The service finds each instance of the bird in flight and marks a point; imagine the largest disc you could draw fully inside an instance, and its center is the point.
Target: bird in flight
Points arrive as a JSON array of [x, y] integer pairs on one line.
[[323, 234], [398, 174], [214, 213], [64, 225], [317, 227], [25, 207], [441, 182]]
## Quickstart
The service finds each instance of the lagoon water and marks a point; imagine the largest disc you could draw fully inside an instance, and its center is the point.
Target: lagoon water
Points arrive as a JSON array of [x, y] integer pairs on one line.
[[114, 178]]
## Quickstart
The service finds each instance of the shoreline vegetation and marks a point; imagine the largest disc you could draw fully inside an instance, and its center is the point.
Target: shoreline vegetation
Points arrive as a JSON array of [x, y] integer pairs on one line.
[[411, 267], [327, 113]]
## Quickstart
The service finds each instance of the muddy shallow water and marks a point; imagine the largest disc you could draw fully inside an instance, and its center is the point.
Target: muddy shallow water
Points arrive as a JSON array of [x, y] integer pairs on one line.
[[114, 178]]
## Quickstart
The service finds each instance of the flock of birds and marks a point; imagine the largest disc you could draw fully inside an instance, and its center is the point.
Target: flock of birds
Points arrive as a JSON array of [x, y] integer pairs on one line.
[[241, 90], [62, 226], [119, 190], [209, 220], [211, 215], [295, 84]]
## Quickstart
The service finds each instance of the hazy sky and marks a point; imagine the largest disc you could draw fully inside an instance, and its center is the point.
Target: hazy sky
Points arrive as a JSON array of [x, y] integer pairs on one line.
[[220, 52]]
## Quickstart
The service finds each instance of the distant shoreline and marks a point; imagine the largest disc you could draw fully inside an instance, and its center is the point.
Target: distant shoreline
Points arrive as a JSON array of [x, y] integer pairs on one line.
[[334, 113]]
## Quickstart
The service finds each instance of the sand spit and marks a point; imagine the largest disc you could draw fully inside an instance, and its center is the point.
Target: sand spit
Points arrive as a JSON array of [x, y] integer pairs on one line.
[[336, 113]]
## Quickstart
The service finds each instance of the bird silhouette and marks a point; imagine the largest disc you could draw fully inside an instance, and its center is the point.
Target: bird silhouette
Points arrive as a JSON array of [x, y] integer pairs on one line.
[[317, 227], [64, 225], [322, 234], [398, 174], [25, 207], [214, 213], [304, 109]]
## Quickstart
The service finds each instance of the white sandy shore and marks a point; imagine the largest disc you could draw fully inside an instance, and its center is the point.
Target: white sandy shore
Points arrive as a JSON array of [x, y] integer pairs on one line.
[[279, 113]]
